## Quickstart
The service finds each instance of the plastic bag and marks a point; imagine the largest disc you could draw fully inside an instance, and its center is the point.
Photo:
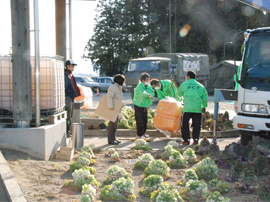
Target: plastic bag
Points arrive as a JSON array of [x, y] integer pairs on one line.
[[167, 118]]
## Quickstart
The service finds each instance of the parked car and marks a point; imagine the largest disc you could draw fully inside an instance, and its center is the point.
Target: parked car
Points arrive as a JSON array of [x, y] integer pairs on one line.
[[106, 82], [88, 82]]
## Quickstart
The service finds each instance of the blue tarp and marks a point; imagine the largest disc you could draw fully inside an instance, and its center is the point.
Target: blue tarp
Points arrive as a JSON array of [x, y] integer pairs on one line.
[[260, 4]]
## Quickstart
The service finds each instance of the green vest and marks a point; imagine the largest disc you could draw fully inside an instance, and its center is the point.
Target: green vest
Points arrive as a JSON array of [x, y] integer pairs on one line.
[[141, 92], [195, 96], [167, 86]]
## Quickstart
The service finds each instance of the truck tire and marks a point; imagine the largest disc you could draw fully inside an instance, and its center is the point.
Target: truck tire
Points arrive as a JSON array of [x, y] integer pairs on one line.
[[246, 136]]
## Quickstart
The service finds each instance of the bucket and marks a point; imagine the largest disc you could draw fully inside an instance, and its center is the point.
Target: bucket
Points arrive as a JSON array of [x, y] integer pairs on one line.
[[77, 135]]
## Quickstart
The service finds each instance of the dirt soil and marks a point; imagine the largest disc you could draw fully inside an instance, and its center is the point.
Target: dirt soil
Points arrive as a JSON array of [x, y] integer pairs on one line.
[[42, 180]]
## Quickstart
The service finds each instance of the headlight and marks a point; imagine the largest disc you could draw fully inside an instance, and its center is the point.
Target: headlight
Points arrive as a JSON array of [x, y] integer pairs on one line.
[[254, 108]]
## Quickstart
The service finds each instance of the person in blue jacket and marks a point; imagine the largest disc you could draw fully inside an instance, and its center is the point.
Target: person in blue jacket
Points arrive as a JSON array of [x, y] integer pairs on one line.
[[71, 91]]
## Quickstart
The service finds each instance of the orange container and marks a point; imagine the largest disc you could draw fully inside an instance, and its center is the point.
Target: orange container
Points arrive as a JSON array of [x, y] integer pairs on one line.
[[86, 97], [168, 115]]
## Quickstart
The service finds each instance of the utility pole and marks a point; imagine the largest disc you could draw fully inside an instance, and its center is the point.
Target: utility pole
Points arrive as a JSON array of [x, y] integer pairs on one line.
[[60, 27], [170, 25], [22, 86]]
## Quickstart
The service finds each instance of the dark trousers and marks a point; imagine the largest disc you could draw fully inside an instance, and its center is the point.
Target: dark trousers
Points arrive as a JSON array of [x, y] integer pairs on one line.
[[69, 108], [112, 127], [141, 119], [196, 123]]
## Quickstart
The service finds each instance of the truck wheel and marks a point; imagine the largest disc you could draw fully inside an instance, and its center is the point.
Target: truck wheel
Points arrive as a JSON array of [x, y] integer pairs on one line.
[[246, 136]]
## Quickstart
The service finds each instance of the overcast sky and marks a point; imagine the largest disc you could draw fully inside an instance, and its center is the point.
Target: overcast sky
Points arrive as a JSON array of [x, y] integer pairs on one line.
[[82, 22]]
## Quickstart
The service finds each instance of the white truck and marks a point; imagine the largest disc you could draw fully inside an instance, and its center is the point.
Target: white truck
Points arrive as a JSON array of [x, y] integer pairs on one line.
[[253, 102]]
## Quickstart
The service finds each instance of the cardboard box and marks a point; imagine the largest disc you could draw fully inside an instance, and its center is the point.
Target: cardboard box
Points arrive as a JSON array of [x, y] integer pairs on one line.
[[106, 113], [65, 153]]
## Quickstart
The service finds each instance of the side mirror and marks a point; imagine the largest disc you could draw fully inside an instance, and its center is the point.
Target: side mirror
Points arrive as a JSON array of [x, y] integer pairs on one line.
[[173, 66], [125, 70]]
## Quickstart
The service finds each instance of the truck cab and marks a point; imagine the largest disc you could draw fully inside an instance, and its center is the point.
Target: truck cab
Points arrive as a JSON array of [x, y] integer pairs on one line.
[[253, 104]]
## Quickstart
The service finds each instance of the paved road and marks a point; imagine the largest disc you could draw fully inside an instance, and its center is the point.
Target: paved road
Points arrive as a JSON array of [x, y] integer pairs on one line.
[[223, 106]]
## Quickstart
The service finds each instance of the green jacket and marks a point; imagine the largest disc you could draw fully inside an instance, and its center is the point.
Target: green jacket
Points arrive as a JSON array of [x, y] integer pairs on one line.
[[167, 85], [195, 96], [141, 92]]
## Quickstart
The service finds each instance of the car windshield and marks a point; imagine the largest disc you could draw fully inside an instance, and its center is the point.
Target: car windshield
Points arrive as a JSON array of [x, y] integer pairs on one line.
[[256, 63], [88, 79], [143, 65]]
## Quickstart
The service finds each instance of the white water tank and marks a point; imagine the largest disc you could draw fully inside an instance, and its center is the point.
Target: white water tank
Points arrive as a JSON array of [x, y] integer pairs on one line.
[[52, 85]]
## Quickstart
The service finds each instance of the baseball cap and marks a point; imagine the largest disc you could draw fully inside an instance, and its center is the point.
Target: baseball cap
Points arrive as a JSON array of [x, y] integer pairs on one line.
[[70, 62]]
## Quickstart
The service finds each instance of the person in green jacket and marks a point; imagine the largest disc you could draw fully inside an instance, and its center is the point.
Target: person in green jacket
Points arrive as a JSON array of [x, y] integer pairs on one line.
[[143, 93], [164, 88], [195, 101]]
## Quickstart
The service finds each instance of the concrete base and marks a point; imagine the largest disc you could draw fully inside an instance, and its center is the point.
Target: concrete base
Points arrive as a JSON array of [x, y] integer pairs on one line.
[[38, 142]]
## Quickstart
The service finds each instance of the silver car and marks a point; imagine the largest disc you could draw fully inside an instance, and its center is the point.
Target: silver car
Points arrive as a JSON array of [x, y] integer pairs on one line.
[[88, 82], [106, 82]]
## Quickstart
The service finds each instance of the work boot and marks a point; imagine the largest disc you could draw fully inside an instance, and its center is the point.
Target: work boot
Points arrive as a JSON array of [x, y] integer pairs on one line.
[[186, 142]]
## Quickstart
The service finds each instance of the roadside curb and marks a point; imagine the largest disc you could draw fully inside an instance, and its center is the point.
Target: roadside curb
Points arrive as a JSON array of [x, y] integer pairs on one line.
[[156, 133], [13, 190]]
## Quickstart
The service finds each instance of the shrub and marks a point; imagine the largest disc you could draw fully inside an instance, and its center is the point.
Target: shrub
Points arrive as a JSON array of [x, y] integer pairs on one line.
[[190, 155], [207, 169], [219, 186], [115, 172], [150, 184], [123, 124], [223, 187], [237, 168], [264, 190], [80, 178], [87, 198], [89, 148], [214, 151], [190, 175], [176, 160], [76, 166], [119, 190], [203, 147], [87, 155], [166, 193], [83, 176], [261, 165], [115, 156], [141, 144], [144, 161], [174, 144], [88, 192], [83, 161], [111, 151], [248, 176], [214, 182], [195, 190], [167, 151], [216, 197], [157, 167]]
